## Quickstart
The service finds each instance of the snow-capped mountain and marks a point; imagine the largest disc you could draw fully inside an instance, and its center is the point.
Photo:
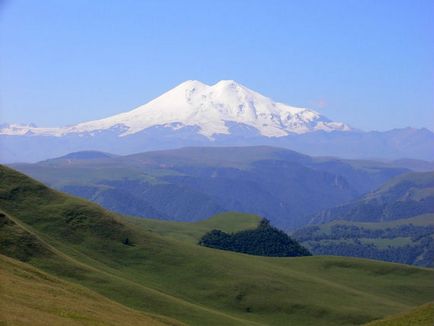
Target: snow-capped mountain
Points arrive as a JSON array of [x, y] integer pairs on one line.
[[208, 108], [224, 114]]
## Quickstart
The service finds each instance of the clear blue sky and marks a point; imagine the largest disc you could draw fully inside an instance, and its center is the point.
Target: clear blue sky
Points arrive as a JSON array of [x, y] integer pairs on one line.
[[368, 63]]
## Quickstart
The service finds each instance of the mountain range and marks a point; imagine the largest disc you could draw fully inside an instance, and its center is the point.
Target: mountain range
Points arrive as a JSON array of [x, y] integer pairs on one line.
[[370, 209], [224, 114], [404, 196], [394, 223], [191, 184]]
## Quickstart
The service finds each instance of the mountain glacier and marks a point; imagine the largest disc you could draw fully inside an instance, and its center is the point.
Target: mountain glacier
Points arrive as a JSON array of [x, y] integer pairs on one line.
[[209, 108], [223, 114]]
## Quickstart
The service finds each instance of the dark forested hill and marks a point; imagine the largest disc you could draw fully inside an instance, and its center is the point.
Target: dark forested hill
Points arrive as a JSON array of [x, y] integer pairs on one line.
[[265, 240], [194, 183]]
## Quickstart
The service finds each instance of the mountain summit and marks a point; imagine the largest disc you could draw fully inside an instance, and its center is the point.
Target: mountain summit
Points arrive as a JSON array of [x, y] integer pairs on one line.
[[210, 109], [224, 114]]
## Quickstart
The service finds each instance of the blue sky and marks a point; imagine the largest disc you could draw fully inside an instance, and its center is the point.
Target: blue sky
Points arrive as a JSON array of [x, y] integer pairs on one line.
[[367, 63]]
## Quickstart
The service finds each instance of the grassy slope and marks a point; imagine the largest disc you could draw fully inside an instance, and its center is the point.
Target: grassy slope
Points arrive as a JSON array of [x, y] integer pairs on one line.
[[58, 302], [403, 196], [420, 316], [193, 231], [169, 275]]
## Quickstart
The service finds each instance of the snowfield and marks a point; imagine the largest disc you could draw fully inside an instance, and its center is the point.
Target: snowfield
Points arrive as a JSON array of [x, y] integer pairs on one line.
[[208, 108]]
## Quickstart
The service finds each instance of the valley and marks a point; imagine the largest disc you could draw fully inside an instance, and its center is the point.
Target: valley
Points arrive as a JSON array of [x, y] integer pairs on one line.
[[393, 223], [191, 184], [163, 272], [217, 163]]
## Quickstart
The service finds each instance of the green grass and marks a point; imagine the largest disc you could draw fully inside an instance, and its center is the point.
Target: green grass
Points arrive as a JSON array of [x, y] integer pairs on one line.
[[30, 296], [420, 316], [229, 222], [165, 273]]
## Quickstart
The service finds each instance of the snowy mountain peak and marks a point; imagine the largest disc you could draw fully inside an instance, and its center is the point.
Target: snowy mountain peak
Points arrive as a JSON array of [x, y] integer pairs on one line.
[[190, 84], [211, 109], [227, 83]]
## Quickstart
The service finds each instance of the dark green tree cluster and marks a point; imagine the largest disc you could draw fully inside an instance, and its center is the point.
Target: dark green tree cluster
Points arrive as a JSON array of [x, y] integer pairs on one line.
[[348, 240], [265, 240], [420, 253]]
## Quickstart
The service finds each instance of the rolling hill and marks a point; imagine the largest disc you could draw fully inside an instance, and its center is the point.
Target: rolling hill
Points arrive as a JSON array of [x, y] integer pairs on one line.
[[161, 271], [30, 296], [421, 316], [393, 223], [191, 184], [404, 196]]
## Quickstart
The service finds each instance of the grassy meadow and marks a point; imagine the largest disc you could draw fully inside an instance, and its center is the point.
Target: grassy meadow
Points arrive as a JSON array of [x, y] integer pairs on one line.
[[161, 271]]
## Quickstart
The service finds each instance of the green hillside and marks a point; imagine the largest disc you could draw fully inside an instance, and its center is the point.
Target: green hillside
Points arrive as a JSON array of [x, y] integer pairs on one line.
[[404, 196], [193, 231], [29, 296], [420, 316], [147, 267], [394, 223]]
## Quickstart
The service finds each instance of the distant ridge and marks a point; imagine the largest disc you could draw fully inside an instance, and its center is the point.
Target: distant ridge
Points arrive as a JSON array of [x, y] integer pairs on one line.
[[87, 155], [195, 182], [403, 196]]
